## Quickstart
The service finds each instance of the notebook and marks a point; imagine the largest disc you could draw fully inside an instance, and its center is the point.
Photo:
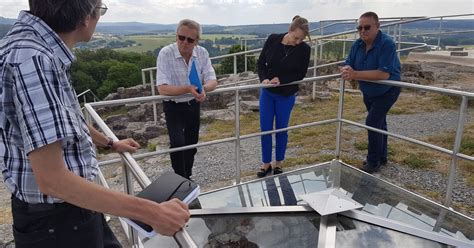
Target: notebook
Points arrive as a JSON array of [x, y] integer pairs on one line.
[[164, 188], [194, 78]]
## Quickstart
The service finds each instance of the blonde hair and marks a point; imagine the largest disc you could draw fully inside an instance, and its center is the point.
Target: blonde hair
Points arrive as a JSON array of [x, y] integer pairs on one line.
[[301, 23]]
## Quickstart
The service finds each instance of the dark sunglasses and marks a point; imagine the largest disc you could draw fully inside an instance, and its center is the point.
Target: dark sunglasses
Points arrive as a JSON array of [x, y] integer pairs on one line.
[[188, 39], [366, 27], [102, 9]]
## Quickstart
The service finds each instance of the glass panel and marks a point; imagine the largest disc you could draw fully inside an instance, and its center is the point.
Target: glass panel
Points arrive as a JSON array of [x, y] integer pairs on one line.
[[379, 198], [382, 199], [282, 190], [352, 233], [250, 231]]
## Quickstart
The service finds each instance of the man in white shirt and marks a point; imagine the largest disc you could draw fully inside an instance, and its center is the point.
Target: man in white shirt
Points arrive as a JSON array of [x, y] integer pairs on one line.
[[174, 65]]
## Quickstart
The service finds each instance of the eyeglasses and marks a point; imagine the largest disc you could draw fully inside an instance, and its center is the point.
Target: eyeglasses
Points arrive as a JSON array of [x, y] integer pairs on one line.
[[103, 9], [188, 39], [366, 28]]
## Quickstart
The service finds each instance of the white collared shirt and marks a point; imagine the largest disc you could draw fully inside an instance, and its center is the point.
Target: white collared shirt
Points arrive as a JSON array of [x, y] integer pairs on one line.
[[173, 70]]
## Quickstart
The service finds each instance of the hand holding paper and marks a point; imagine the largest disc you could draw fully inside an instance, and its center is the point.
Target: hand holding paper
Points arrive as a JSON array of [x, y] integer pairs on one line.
[[165, 188]]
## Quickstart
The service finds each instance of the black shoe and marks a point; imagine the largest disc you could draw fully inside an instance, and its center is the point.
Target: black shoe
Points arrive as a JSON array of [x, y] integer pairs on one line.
[[263, 172], [382, 162], [277, 171], [371, 169]]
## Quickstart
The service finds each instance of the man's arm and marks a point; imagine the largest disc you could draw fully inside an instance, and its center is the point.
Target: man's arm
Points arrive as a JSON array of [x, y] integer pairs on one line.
[[54, 179], [210, 85], [348, 73], [125, 145], [176, 90]]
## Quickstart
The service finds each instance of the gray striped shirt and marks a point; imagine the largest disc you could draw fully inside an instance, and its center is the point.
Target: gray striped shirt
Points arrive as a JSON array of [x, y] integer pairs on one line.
[[38, 106]]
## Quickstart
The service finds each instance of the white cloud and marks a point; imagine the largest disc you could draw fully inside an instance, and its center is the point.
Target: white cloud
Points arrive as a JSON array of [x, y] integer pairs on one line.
[[235, 12]]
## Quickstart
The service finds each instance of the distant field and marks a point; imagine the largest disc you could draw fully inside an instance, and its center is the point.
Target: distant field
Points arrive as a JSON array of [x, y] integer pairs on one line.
[[151, 42]]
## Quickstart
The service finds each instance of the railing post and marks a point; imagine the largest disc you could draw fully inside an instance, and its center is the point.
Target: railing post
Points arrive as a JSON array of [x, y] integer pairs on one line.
[[322, 43], [339, 117], [155, 110], [343, 49], [315, 72], [399, 38], [235, 64], [143, 78], [237, 137], [439, 35], [457, 146], [128, 187], [245, 55]]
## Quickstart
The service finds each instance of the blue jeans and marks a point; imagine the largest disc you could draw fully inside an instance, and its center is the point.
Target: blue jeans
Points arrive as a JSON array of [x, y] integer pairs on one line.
[[274, 107], [378, 108]]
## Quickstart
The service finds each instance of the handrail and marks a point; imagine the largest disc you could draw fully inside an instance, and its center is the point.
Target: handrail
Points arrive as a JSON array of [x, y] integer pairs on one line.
[[143, 179], [86, 92]]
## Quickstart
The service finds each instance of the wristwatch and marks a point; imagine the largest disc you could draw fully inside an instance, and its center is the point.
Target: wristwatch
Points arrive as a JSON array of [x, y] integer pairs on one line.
[[110, 144]]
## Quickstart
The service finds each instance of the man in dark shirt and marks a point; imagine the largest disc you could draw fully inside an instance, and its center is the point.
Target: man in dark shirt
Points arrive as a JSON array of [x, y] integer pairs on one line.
[[373, 57], [47, 156]]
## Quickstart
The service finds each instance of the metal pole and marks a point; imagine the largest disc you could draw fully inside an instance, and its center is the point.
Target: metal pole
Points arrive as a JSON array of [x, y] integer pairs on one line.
[[235, 64], [439, 35], [343, 49], [245, 56], [321, 50], [237, 137], [457, 146], [143, 78], [155, 111], [184, 240], [315, 69], [128, 185], [339, 117], [399, 39]]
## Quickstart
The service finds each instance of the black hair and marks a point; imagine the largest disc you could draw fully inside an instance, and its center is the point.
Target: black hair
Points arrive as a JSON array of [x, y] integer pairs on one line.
[[64, 16], [370, 14]]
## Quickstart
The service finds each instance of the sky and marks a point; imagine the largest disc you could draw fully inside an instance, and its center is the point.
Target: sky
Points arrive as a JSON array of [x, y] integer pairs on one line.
[[243, 12]]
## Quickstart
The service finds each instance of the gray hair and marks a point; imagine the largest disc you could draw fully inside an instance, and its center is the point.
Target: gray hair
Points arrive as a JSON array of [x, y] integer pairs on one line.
[[190, 24]]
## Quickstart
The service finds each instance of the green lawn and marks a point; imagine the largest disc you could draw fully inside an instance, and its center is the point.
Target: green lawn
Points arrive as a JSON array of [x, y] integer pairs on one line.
[[151, 42]]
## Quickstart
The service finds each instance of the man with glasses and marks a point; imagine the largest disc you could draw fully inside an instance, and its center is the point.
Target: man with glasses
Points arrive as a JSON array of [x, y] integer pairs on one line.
[[47, 156], [374, 57], [177, 65]]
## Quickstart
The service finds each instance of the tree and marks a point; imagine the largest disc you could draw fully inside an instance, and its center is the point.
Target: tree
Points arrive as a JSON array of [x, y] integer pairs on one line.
[[227, 65], [121, 74]]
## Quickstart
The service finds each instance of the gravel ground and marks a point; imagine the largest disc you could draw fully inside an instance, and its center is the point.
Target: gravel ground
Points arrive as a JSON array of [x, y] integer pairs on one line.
[[215, 166]]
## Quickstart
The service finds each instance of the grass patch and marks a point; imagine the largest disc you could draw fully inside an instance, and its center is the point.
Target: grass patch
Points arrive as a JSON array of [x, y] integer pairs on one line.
[[151, 147], [416, 161], [145, 43], [467, 169], [448, 102], [361, 146]]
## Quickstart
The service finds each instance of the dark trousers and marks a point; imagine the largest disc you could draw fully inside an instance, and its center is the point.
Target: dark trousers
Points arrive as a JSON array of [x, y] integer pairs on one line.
[[378, 108], [182, 121], [59, 225]]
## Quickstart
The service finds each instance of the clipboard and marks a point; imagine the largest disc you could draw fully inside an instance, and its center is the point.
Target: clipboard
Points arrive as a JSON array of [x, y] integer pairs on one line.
[[164, 188]]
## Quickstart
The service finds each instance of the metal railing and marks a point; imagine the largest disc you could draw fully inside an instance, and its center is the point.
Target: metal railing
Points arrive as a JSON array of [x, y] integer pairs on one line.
[[317, 45], [84, 96], [131, 167]]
